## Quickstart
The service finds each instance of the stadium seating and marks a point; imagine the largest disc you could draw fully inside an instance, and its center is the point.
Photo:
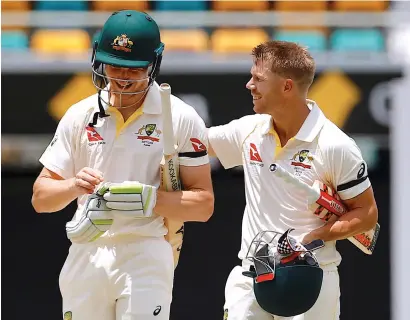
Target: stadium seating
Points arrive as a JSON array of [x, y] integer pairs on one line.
[[180, 5], [342, 5], [119, 5], [317, 7], [237, 40], [14, 40], [60, 41], [300, 5], [194, 40], [314, 40], [240, 5], [221, 40], [357, 40], [60, 5], [15, 5]]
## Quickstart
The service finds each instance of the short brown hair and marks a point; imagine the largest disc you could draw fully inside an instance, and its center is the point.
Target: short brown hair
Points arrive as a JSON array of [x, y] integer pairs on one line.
[[288, 59]]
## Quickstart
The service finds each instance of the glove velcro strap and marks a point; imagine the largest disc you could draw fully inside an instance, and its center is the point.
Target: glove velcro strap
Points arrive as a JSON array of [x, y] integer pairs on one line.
[[122, 197], [103, 189]]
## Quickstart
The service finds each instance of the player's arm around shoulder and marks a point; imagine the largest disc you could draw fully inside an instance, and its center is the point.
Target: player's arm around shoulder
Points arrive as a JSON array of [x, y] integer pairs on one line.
[[225, 141], [196, 200], [348, 174]]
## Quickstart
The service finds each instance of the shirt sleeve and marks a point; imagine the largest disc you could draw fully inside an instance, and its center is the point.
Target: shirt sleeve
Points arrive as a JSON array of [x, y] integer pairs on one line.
[[58, 156], [226, 141], [192, 142], [348, 169]]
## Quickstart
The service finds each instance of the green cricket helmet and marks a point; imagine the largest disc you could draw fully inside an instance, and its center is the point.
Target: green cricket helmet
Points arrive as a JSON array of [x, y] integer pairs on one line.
[[286, 276], [128, 39]]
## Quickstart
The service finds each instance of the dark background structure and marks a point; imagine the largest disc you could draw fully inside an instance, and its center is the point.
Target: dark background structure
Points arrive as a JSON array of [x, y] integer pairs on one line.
[[34, 246]]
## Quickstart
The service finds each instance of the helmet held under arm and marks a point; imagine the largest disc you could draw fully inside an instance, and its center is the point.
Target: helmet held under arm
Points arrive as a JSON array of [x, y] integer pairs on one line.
[[286, 275]]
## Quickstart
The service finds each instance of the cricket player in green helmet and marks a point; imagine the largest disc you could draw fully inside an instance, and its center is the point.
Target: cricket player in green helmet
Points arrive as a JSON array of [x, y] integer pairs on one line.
[[106, 154]]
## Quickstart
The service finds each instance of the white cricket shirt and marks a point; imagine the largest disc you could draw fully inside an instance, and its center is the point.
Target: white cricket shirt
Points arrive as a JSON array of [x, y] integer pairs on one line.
[[319, 151], [130, 151]]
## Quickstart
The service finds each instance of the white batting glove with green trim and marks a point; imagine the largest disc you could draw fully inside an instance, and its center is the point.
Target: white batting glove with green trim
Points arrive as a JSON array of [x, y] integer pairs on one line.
[[96, 219], [131, 199]]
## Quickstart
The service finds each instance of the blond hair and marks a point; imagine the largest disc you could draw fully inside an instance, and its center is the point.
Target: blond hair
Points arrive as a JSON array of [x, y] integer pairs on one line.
[[288, 60]]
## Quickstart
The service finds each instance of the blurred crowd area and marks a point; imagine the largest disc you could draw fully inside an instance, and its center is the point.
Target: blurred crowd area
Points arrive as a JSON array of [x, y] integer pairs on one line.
[[341, 26], [359, 47]]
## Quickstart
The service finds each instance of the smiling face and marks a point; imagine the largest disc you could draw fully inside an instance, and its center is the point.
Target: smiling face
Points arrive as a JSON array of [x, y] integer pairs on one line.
[[268, 90], [127, 80], [281, 74], [126, 84]]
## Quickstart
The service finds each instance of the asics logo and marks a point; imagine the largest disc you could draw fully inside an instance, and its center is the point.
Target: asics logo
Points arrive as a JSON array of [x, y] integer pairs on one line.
[[157, 311]]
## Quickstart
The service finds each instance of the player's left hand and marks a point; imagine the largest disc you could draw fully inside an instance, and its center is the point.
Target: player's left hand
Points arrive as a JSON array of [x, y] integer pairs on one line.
[[130, 199]]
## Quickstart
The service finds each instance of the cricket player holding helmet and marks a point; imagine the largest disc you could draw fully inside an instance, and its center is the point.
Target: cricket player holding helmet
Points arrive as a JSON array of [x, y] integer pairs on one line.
[[291, 131], [286, 275], [106, 153]]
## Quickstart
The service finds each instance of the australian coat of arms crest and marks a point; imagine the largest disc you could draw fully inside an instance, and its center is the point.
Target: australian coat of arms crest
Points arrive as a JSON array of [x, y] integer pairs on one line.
[[122, 43]]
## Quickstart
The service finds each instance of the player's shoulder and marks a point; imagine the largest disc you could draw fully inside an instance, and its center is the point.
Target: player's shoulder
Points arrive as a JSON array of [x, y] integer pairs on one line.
[[183, 111], [81, 108], [257, 119], [332, 139], [243, 126], [252, 122]]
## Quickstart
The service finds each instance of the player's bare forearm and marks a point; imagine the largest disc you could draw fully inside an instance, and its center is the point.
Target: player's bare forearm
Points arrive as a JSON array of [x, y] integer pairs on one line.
[[351, 224], [191, 205], [362, 216], [51, 195]]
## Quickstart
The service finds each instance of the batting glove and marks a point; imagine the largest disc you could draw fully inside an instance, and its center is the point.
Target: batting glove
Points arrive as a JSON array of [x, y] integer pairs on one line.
[[96, 219], [131, 199]]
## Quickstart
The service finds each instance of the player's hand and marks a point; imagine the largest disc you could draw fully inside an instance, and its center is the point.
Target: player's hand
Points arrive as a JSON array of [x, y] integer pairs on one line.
[[329, 206], [96, 219], [130, 198], [309, 237], [86, 180]]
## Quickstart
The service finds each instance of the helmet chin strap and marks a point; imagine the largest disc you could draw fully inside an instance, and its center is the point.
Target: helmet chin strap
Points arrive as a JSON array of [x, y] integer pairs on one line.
[[101, 113]]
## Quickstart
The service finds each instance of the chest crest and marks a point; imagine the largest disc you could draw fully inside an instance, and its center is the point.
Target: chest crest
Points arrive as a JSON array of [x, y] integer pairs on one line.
[[149, 134], [302, 161]]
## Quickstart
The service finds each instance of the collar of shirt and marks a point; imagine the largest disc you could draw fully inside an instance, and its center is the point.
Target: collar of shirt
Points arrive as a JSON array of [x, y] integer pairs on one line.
[[311, 126], [152, 102]]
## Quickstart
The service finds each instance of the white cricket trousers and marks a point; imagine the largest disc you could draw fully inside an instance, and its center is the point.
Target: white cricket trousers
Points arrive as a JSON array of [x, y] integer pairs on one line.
[[241, 304], [118, 281]]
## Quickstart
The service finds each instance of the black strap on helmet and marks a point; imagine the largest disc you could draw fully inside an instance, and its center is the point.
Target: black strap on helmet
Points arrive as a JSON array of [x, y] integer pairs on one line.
[[101, 113]]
